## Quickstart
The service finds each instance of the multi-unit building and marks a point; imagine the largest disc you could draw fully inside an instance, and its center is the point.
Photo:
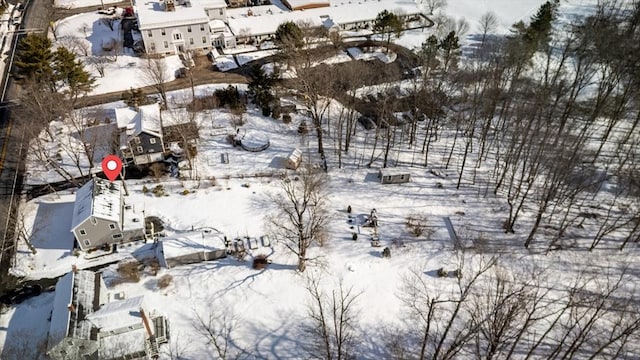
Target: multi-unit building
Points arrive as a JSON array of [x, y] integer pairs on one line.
[[101, 217], [169, 27]]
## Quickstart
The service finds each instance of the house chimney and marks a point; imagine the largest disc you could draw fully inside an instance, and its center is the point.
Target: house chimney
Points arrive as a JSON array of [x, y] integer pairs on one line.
[[74, 268], [145, 321], [71, 308]]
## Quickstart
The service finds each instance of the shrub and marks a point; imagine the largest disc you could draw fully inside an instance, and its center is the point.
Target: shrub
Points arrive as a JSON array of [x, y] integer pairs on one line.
[[386, 252], [416, 224], [164, 281], [145, 189], [442, 272], [158, 190], [260, 262], [302, 128], [157, 170], [354, 236], [153, 266], [129, 271], [185, 192], [266, 111], [286, 118], [349, 209]]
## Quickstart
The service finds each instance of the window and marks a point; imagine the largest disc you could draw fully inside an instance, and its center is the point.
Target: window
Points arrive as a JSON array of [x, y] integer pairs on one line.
[[152, 140], [204, 39], [136, 140], [201, 27], [166, 44], [82, 232], [112, 226], [189, 28], [139, 149], [116, 236], [190, 41], [86, 242], [149, 33], [163, 32], [94, 221], [177, 36], [221, 11], [152, 47]]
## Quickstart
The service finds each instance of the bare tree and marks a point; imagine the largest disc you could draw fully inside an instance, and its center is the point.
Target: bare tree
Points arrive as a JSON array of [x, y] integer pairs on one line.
[[333, 319], [218, 327], [488, 24], [156, 74], [301, 215], [99, 63], [433, 5]]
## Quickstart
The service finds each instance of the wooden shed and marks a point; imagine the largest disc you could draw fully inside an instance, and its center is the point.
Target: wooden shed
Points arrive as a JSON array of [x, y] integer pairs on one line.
[[293, 160], [393, 176]]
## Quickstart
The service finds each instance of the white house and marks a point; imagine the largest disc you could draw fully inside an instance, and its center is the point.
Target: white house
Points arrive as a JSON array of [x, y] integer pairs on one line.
[[141, 139], [101, 217], [170, 27]]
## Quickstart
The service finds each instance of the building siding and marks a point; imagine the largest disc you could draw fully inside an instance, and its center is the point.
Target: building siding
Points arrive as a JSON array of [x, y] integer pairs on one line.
[[155, 40], [98, 233]]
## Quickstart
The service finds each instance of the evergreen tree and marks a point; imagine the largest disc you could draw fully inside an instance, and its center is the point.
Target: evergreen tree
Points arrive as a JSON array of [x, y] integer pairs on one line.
[[33, 57], [260, 85], [428, 53], [70, 72], [289, 35], [450, 46], [389, 24]]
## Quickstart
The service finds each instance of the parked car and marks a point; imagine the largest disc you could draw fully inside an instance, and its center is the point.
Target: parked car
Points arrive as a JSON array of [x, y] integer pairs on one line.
[[367, 122], [22, 294]]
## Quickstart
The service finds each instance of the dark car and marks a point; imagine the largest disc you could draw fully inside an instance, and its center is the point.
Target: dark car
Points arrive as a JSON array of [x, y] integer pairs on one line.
[[367, 122], [19, 295]]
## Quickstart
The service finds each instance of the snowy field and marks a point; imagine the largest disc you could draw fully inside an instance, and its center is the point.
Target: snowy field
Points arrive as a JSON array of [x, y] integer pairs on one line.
[[269, 307]]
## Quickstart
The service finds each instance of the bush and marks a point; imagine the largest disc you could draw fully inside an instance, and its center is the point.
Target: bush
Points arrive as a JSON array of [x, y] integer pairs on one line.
[[354, 236], [157, 170], [386, 252], [185, 192], [158, 190], [164, 281], [266, 111], [303, 129], [129, 271], [145, 189], [276, 112], [457, 273], [153, 266], [260, 262], [349, 209], [416, 224], [442, 272], [286, 118]]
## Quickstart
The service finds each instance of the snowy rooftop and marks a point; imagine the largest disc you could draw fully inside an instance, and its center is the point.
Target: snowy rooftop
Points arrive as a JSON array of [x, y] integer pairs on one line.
[[98, 198], [146, 119], [77, 289], [265, 19], [118, 314], [211, 4], [122, 344], [302, 3], [191, 242], [151, 14]]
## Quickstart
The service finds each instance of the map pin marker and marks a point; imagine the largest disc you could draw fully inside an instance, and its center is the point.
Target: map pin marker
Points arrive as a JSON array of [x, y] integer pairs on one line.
[[111, 165]]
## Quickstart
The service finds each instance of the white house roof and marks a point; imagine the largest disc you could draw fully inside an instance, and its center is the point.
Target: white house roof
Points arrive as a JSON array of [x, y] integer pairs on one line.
[[99, 198], [123, 344], [190, 243], [117, 314], [212, 4], [146, 119], [266, 19], [152, 15]]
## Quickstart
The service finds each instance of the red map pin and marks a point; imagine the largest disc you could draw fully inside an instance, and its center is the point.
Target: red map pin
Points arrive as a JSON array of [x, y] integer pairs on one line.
[[111, 165]]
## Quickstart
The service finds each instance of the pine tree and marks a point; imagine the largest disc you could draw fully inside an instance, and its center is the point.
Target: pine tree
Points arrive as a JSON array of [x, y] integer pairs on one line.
[[289, 34], [33, 57], [450, 46], [389, 24], [70, 72], [260, 85]]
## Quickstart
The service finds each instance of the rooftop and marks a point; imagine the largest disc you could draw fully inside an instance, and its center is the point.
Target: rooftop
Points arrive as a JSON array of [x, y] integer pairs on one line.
[[266, 19], [190, 243], [99, 198], [118, 314], [152, 15]]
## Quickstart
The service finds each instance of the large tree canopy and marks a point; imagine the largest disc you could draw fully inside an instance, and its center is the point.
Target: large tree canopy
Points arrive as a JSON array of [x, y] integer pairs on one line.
[[33, 57]]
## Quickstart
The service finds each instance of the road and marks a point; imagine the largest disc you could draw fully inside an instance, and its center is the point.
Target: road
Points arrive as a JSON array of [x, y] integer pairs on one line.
[[12, 139]]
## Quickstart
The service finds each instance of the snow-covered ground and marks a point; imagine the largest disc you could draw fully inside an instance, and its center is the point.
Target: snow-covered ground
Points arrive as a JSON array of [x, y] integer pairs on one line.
[[87, 33], [83, 3], [269, 305]]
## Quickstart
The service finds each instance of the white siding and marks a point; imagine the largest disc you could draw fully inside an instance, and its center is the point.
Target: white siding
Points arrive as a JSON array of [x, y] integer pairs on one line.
[[176, 38]]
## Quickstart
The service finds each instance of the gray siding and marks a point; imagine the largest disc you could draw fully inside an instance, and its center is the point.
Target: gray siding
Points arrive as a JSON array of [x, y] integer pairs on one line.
[[98, 233], [144, 146]]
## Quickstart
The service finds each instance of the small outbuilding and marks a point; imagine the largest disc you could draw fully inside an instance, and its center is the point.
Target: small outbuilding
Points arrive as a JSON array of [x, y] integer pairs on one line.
[[191, 247], [293, 160], [393, 176]]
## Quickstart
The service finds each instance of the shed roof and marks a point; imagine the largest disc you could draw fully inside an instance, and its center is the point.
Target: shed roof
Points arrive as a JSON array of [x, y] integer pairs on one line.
[[190, 243], [117, 314]]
